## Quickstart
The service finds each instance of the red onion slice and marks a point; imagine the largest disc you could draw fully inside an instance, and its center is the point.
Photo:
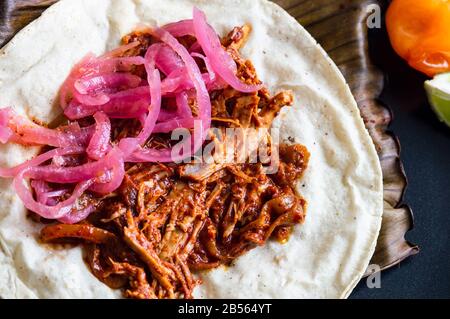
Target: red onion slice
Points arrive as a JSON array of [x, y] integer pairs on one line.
[[25, 194], [165, 58], [99, 144], [129, 145], [111, 65], [126, 104], [113, 180], [178, 81], [154, 80], [220, 60], [165, 115], [195, 48], [21, 130], [183, 108], [95, 90], [38, 160], [212, 74], [49, 212], [181, 28], [66, 175], [44, 193], [169, 126], [76, 72], [203, 101]]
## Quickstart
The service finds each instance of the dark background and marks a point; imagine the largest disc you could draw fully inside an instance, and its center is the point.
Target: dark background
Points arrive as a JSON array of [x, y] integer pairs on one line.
[[426, 156]]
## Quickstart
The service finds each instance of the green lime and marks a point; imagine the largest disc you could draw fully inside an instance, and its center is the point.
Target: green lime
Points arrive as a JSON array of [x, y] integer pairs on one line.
[[438, 91]]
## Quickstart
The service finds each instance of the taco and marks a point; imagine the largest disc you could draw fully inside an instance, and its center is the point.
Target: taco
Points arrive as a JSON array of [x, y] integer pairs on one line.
[[99, 201]]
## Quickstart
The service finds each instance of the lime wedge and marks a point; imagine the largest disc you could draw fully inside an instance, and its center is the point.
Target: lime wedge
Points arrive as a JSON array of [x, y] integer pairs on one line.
[[438, 91]]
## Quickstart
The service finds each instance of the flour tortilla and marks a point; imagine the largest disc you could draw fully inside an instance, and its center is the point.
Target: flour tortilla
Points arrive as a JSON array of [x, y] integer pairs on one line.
[[324, 258]]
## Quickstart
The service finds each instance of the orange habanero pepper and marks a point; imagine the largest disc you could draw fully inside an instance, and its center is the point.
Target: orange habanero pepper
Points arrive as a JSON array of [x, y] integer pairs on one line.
[[419, 31]]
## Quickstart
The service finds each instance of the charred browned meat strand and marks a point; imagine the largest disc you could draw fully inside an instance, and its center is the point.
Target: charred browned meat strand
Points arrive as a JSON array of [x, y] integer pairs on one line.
[[168, 221]]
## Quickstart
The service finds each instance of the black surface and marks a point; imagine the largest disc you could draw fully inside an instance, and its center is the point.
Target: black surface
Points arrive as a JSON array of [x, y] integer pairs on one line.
[[426, 157]]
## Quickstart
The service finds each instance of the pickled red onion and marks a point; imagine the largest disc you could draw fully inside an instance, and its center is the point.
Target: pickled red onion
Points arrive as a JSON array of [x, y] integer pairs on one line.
[[183, 108], [203, 101], [193, 71], [212, 74], [169, 126], [109, 87], [113, 179], [99, 144], [126, 104], [104, 66], [165, 58], [181, 28], [50, 212], [21, 130], [179, 81], [94, 90], [154, 81], [129, 145], [220, 60], [44, 194], [24, 193], [66, 175], [76, 72], [38, 160]]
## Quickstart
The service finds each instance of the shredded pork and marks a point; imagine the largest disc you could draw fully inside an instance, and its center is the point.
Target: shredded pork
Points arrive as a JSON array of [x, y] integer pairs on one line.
[[168, 222]]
